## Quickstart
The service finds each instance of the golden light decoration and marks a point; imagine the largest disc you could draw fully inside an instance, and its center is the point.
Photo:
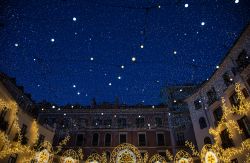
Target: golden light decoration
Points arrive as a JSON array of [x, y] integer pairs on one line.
[[128, 149], [157, 159], [43, 156], [183, 157], [169, 155], [145, 158], [69, 156], [209, 155], [192, 147], [94, 158]]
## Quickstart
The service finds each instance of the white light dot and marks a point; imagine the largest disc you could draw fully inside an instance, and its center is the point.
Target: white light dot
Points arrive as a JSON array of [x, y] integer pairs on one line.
[[101, 113], [74, 19], [142, 46], [16, 44], [139, 116], [180, 90], [58, 109], [38, 85], [119, 77], [34, 59], [86, 94], [157, 81], [175, 52], [74, 86], [64, 114], [78, 93], [159, 6], [53, 107], [153, 106], [202, 23], [75, 33], [236, 1], [115, 116], [174, 101], [193, 60], [142, 101], [231, 79], [110, 84], [72, 106], [122, 66], [186, 5], [52, 40], [217, 67], [133, 59], [91, 58], [148, 125], [42, 108], [169, 114]]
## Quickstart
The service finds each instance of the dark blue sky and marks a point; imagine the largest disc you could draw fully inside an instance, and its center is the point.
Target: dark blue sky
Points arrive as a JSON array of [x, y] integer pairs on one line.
[[87, 52]]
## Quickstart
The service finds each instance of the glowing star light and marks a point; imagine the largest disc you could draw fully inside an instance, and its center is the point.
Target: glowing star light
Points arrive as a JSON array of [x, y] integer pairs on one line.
[[78, 93], [186, 5], [202, 23], [119, 77], [175, 52], [122, 66], [16, 44], [74, 19], [142, 46], [52, 40], [74, 86], [236, 1], [91, 58], [110, 84], [133, 59]]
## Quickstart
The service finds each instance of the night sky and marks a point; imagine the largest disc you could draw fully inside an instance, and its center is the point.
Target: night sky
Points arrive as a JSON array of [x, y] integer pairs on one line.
[[69, 51]]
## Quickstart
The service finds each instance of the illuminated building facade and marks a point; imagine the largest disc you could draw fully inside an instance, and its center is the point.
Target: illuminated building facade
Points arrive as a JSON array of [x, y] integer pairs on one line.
[[205, 103], [9, 92]]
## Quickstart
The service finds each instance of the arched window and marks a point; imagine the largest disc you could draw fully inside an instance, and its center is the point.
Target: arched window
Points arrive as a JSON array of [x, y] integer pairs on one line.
[[95, 139], [107, 140], [108, 154], [202, 123], [207, 140]]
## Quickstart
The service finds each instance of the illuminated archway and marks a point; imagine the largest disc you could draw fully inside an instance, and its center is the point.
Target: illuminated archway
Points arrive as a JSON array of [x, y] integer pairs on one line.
[[183, 157], [126, 153], [157, 159], [208, 155]]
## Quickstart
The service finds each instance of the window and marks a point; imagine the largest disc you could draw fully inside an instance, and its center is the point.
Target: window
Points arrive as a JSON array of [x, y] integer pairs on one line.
[[139, 122], [180, 138], [212, 96], [40, 139], [202, 123], [12, 158], [248, 81], [217, 115], [227, 80], [123, 138], [95, 139], [158, 122], [234, 160], [207, 140], [227, 142], [242, 60], [107, 140], [197, 104], [245, 92], [244, 126], [108, 154], [79, 140], [122, 122], [233, 99], [160, 140], [142, 139]]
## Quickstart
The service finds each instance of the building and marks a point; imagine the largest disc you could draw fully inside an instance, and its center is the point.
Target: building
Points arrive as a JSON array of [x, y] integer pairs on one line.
[[100, 128], [179, 117], [26, 113], [205, 103]]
